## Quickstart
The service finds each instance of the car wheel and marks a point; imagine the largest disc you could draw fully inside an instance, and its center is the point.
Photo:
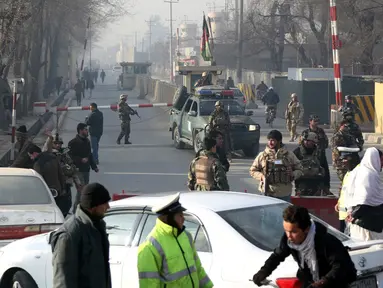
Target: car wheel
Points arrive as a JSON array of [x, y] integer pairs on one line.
[[197, 143], [177, 139], [251, 151], [22, 279]]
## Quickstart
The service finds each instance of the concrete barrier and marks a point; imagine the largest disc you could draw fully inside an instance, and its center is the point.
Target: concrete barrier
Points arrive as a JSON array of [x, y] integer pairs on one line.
[[366, 105]]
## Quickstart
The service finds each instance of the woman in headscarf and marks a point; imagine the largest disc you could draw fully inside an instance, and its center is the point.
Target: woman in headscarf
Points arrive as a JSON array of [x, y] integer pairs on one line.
[[364, 198]]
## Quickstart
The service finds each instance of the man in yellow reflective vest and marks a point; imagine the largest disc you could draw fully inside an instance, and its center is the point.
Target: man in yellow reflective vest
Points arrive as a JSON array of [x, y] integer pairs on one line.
[[168, 257], [351, 159]]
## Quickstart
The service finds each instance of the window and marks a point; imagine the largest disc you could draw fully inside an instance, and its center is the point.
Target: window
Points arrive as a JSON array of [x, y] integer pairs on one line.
[[149, 225], [192, 226], [23, 190], [188, 105], [196, 230], [128, 69], [263, 225], [119, 227], [194, 107], [232, 107]]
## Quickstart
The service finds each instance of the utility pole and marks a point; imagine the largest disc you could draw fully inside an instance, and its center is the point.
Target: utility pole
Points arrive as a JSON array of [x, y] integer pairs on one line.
[[90, 57], [135, 40], [150, 23], [240, 43], [236, 20], [171, 2]]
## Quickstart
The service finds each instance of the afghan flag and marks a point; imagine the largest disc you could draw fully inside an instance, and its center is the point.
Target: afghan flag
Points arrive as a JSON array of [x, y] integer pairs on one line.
[[205, 46]]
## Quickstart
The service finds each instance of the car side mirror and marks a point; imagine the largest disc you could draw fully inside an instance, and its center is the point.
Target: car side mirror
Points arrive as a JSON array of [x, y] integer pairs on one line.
[[192, 113], [249, 113], [54, 193]]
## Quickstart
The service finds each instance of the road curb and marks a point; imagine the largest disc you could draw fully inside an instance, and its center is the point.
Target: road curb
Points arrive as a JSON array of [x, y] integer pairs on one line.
[[61, 119]]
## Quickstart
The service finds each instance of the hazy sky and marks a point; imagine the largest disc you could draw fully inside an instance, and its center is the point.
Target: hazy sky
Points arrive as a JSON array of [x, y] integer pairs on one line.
[[143, 9]]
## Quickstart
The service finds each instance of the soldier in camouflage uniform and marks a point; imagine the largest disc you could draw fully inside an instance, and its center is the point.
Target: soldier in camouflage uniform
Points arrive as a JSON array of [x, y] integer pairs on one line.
[[220, 120], [348, 111], [312, 182], [206, 172], [124, 112], [54, 145], [293, 115], [342, 138], [322, 144]]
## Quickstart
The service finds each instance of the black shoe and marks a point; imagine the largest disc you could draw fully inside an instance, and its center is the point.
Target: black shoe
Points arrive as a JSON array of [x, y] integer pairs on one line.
[[118, 142], [127, 142]]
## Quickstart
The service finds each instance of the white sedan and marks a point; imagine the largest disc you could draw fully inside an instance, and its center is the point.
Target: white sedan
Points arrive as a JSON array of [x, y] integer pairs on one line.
[[27, 205], [234, 234]]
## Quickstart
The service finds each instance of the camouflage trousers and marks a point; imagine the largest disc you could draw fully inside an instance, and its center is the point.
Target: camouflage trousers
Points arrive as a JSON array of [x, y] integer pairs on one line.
[[291, 126]]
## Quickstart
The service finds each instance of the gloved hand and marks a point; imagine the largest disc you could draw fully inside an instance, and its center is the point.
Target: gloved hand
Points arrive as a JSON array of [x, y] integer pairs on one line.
[[258, 278]]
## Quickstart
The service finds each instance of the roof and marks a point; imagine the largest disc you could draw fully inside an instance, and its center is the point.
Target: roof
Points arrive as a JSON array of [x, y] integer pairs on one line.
[[210, 87], [213, 200], [8, 171]]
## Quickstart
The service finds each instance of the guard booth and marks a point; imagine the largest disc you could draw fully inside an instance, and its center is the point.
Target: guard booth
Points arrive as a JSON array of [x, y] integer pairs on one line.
[[191, 74], [130, 70]]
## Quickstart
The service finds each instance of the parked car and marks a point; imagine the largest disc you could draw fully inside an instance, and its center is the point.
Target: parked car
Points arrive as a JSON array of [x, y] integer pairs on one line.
[[27, 205], [234, 233]]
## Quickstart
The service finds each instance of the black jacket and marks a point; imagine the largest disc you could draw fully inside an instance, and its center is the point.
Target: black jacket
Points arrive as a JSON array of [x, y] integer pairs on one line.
[[80, 148], [221, 156], [95, 121], [334, 262], [270, 98], [80, 250]]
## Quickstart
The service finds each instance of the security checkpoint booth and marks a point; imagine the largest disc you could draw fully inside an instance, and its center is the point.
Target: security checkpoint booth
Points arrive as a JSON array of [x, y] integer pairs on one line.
[[191, 74], [130, 70]]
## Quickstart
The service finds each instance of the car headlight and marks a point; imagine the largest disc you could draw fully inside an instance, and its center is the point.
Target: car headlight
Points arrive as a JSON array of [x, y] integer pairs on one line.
[[252, 127]]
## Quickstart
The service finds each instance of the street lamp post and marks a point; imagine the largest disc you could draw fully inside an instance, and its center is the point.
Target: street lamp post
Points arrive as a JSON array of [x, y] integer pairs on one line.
[[171, 2]]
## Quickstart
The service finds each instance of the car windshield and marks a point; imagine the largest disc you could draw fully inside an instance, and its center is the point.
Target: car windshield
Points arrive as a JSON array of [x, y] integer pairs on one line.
[[232, 107], [237, 93], [263, 225], [23, 190]]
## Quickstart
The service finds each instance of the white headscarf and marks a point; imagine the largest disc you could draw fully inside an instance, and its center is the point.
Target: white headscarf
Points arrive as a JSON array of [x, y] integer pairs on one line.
[[363, 184], [307, 253]]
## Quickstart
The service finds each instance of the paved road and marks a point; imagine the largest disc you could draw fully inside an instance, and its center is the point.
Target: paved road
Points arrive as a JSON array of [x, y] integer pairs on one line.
[[151, 164]]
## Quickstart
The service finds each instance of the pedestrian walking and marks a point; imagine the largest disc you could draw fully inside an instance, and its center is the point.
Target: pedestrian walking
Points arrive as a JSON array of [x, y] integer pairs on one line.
[[95, 121], [323, 260], [168, 257], [48, 166], [81, 154], [79, 90], [80, 247]]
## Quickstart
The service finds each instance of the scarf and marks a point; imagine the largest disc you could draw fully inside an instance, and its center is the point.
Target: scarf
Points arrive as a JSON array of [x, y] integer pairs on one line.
[[364, 186], [307, 253]]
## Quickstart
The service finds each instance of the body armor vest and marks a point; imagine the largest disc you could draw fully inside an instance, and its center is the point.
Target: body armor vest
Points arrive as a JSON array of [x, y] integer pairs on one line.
[[220, 120], [275, 171], [203, 172], [311, 165]]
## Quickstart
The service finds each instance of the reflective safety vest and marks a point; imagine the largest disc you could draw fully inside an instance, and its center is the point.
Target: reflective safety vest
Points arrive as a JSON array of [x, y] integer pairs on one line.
[[169, 261], [342, 198]]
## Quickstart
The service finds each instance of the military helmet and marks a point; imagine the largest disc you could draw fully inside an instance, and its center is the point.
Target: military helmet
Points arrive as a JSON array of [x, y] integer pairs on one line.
[[294, 95], [218, 103], [314, 117], [348, 97], [311, 136], [204, 74], [123, 96]]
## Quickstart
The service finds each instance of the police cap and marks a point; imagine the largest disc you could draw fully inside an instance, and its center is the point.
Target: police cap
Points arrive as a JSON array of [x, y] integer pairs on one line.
[[169, 205], [347, 151]]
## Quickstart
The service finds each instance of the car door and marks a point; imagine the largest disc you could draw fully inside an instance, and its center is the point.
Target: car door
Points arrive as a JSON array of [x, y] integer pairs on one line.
[[121, 227], [191, 118], [193, 225], [185, 124]]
